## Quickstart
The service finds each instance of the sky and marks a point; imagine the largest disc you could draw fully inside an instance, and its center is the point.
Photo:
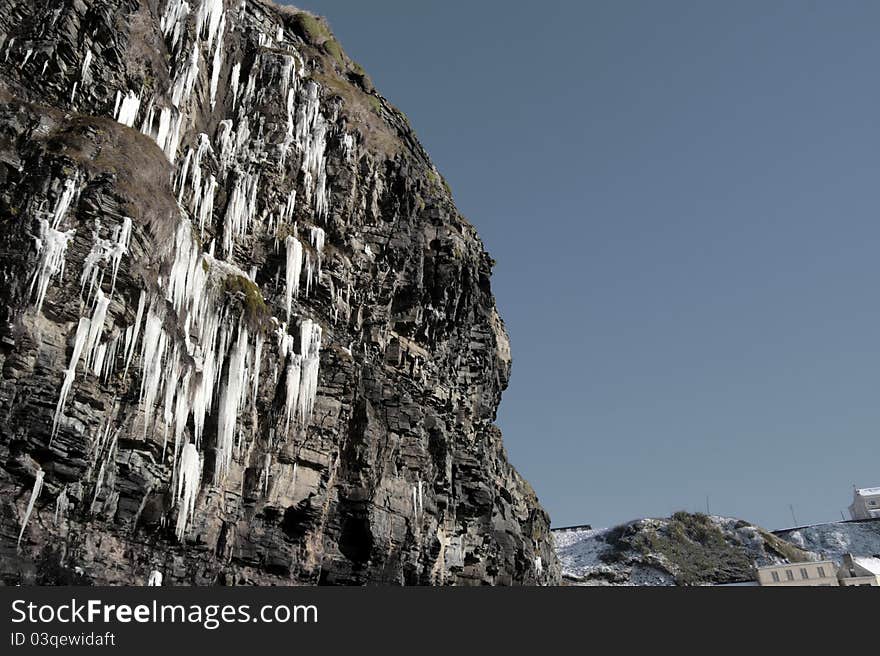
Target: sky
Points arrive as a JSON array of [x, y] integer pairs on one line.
[[682, 198]]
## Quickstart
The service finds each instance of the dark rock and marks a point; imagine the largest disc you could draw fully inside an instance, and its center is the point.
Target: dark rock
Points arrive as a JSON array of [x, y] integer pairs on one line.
[[397, 474]]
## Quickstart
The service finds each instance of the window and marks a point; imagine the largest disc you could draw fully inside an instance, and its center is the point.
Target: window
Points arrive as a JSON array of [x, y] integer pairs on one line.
[[804, 573], [822, 572], [775, 576], [789, 575]]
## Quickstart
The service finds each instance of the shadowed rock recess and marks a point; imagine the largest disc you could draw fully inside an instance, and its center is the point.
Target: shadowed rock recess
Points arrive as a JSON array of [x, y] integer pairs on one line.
[[246, 336]]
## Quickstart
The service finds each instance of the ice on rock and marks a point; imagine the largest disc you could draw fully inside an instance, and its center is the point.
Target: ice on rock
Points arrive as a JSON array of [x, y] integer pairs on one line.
[[235, 82], [217, 64], [311, 139], [163, 126], [131, 333], [317, 236], [96, 328], [310, 273], [292, 388], [62, 503], [64, 201], [206, 204], [310, 348], [35, 493], [209, 19], [241, 210], [289, 207], [293, 271], [127, 108], [189, 479], [185, 81], [86, 66], [230, 403], [348, 146], [173, 22], [105, 251], [84, 73], [155, 579], [82, 334], [52, 247], [152, 353]]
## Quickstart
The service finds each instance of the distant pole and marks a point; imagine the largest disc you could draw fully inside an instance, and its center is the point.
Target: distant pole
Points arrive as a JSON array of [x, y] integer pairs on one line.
[[707, 505], [794, 519]]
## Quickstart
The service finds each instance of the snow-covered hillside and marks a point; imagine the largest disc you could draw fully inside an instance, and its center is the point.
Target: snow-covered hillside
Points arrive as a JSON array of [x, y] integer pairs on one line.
[[831, 541], [697, 549], [685, 549]]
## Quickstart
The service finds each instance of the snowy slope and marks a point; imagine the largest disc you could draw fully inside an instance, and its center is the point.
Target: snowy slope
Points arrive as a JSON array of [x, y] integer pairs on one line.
[[835, 539], [684, 549]]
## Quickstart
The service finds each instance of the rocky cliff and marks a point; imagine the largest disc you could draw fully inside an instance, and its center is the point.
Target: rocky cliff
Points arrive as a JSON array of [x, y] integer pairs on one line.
[[246, 336]]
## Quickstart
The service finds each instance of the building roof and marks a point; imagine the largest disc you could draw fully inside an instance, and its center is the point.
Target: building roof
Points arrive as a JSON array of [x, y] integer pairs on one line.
[[870, 564], [867, 491]]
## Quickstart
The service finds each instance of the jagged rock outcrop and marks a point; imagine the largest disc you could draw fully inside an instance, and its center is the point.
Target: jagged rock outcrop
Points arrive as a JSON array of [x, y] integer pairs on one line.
[[685, 549], [246, 336]]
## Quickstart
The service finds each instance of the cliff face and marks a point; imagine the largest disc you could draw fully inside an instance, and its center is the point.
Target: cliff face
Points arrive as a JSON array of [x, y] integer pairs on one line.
[[246, 336]]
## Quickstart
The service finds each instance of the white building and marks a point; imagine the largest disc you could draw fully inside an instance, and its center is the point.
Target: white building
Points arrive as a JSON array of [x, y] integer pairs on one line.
[[858, 570], [811, 573], [866, 503]]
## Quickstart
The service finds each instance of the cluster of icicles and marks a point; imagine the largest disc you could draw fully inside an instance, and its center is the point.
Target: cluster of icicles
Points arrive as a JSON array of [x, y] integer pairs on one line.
[[214, 370]]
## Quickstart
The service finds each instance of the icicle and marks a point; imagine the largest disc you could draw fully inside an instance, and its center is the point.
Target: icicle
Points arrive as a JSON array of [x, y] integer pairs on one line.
[[62, 503], [218, 62], [539, 566], [127, 111], [267, 467], [209, 17], [64, 202], [35, 492], [348, 146], [155, 342], [173, 21], [294, 377], [241, 210], [96, 328], [186, 79], [310, 272], [120, 248], [206, 206], [184, 171], [234, 82], [317, 237], [310, 347], [52, 246], [293, 270], [104, 250], [82, 333], [188, 481], [230, 404], [155, 579], [311, 138], [131, 338], [287, 213], [258, 356]]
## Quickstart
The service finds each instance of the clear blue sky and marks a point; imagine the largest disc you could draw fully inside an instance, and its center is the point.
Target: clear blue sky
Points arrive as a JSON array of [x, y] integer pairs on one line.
[[682, 198]]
